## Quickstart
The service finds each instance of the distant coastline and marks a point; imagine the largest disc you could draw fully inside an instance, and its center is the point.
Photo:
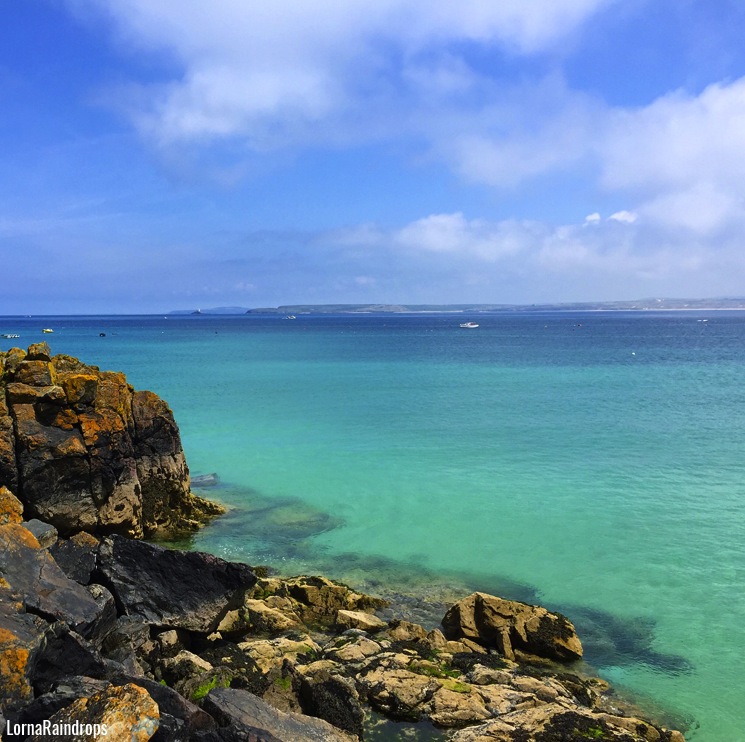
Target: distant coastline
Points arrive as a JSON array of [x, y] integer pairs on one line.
[[641, 305]]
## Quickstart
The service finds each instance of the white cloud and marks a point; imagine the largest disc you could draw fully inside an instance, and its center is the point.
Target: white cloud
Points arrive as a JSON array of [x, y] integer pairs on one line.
[[703, 209], [534, 261], [677, 139], [266, 72], [626, 217], [453, 234], [320, 72]]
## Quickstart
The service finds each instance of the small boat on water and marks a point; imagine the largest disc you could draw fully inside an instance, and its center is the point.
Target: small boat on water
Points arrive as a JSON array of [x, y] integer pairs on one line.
[[469, 325], [290, 316], [47, 330], [10, 335]]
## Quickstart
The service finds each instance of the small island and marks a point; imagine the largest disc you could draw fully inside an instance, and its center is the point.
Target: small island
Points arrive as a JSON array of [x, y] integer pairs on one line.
[[104, 632]]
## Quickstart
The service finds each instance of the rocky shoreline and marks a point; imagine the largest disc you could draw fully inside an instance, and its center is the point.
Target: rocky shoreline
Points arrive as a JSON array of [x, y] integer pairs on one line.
[[100, 629]]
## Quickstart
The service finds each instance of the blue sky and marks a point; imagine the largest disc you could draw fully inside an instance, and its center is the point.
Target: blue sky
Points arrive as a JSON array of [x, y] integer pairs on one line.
[[163, 154]]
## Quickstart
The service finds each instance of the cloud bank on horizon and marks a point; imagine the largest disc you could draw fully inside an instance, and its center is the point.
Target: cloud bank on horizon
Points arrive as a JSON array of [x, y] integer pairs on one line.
[[184, 153]]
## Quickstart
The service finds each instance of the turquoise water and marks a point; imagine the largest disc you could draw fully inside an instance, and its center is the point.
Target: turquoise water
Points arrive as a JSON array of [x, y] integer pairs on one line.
[[590, 462]]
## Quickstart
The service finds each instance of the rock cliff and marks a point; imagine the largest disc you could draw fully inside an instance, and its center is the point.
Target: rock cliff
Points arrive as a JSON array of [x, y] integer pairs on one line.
[[83, 450]]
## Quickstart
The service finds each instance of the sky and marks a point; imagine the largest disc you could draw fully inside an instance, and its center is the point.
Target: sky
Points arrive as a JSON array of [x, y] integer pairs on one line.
[[172, 154]]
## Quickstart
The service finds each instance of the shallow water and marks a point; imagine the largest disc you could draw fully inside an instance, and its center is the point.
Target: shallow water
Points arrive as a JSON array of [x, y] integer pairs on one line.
[[591, 462]]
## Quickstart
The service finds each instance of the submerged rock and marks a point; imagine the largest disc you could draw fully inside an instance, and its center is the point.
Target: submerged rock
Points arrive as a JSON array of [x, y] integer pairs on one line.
[[83, 450]]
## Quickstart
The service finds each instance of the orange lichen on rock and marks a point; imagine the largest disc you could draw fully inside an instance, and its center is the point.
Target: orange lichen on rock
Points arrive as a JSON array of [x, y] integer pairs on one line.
[[11, 508], [80, 388], [127, 712], [82, 449], [20, 637], [15, 538]]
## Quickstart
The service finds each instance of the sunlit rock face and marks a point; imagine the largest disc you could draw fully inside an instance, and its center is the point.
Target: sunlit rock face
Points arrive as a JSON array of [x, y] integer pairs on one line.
[[83, 450]]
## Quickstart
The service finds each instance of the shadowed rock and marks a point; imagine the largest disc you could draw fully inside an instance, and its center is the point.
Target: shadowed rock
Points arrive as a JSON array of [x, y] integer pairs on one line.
[[245, 712], [188, 590]]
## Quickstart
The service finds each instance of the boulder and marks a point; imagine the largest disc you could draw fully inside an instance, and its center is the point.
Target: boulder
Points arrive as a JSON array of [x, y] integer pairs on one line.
[[245, 712], [398, 693], [314, 600], [359, 620], [264, 619], [64, 654], [557, 722], [83, 451], [129, 643], [170, 588], [333, 697], [127, 712], [269, 654], [32, 574], [508, 625], [8, 466]]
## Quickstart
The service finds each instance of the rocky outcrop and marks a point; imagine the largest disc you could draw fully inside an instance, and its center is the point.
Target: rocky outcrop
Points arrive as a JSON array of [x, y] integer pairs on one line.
[[199, 649], [84, 451], [509, 626]]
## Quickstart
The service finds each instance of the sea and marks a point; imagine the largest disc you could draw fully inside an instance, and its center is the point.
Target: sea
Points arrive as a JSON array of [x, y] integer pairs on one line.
[[590, 462]]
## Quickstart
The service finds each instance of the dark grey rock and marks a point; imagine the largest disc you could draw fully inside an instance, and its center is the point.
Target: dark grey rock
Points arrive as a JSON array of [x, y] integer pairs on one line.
[[45, 533], [232, 734], [129, 643], [171, 588], [44, 588], [107, 618], [63, 694], [76, 556], [333, 698], [66, 653], [170, 729], [243, 711]]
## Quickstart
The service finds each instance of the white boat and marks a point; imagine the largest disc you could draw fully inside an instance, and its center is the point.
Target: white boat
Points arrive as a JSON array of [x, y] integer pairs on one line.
[[290, 316], [47, 330], [11, 336], [469, 325]]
